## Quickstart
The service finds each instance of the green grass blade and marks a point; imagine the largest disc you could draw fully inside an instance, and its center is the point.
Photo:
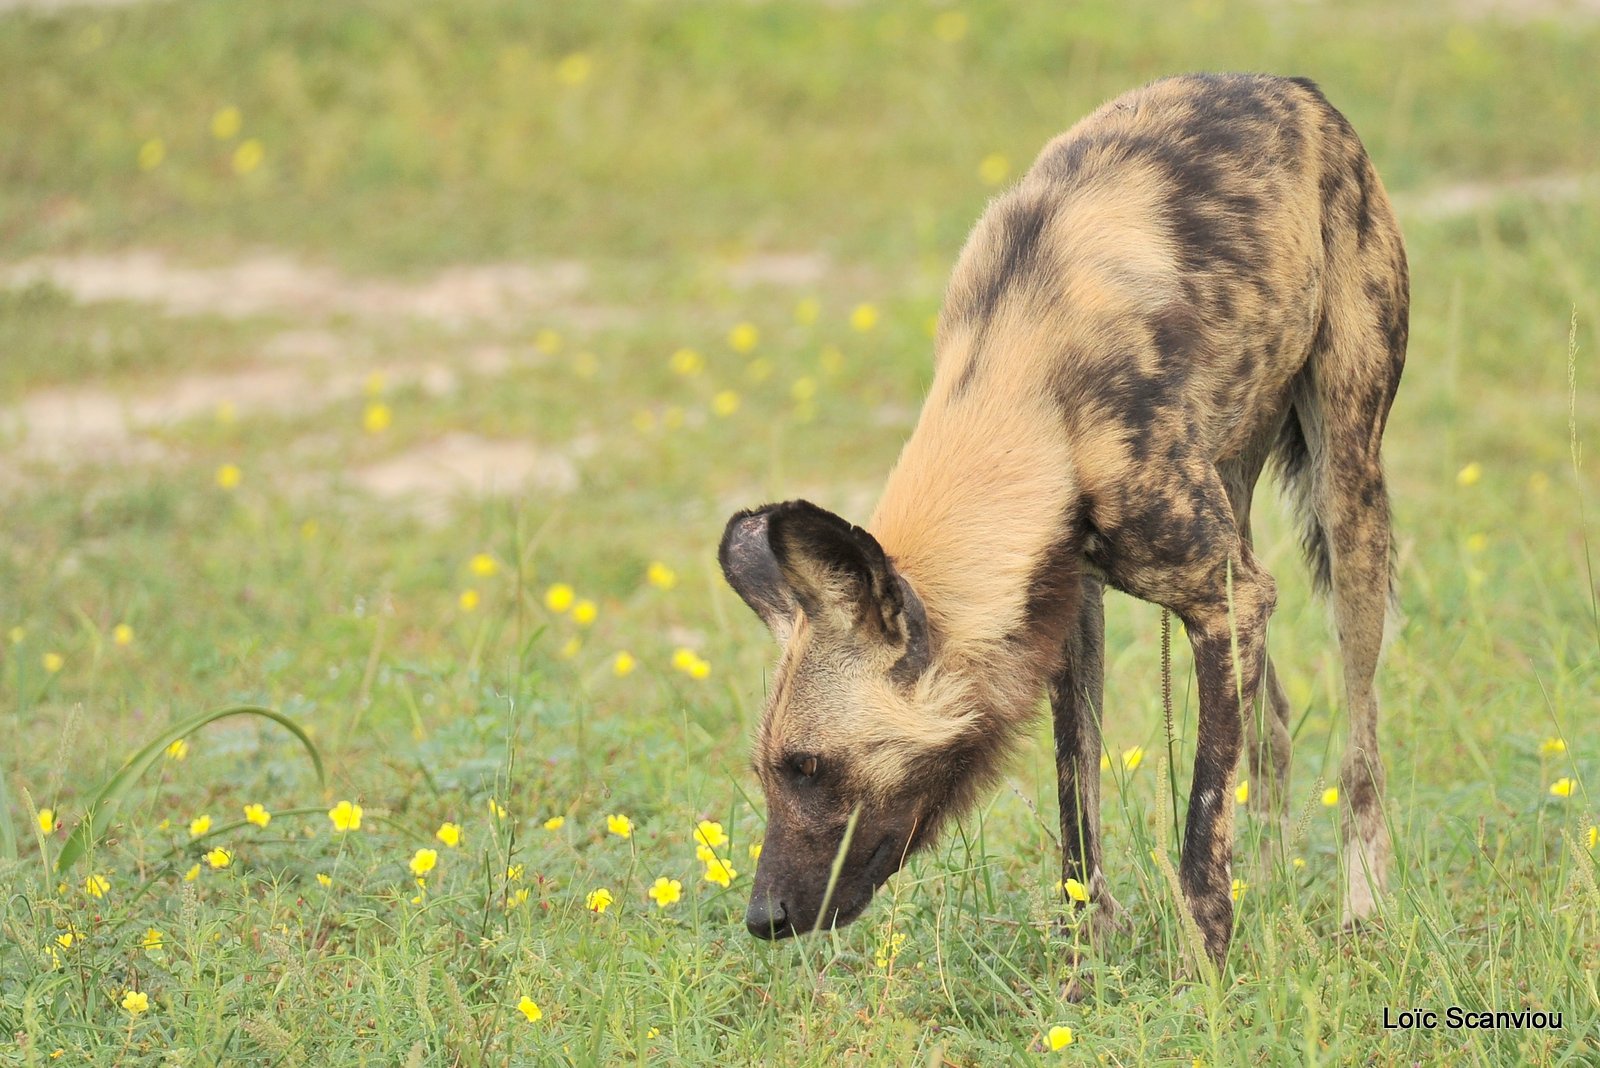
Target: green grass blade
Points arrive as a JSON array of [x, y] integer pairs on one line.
[[8, 830], [103, 804]]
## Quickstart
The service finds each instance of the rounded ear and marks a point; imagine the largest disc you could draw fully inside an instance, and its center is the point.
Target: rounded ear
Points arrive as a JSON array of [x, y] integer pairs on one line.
[[752, 570], [843, 581]]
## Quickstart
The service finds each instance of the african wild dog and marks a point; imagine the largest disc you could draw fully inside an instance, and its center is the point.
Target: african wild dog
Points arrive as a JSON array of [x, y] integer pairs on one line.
[[1202, 274]]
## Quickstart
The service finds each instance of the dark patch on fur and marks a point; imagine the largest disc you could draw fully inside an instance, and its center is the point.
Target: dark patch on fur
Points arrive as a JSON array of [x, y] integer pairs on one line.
[[1022, 266], [1053, 589]]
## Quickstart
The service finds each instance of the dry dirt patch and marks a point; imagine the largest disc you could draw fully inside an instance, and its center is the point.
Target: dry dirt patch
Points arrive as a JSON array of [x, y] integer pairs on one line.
[[70, 426], [428, 479], [273, 283], [1444, 202]]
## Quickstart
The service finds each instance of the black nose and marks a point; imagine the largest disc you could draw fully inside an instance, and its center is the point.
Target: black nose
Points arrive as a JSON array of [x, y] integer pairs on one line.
[[766, 918]]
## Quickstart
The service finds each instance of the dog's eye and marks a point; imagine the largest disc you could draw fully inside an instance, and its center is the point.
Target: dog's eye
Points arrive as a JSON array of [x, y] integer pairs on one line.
[[806, 766]]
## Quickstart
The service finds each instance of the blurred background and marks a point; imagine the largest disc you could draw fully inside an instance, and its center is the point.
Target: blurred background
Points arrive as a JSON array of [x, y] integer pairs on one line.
[[299, 301], [397, 365]]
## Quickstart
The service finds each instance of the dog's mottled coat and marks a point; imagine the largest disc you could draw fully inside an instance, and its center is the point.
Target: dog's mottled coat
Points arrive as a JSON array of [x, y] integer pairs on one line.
[[1201, 275]]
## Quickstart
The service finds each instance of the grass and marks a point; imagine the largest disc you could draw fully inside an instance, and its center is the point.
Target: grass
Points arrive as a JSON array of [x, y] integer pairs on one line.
[[399, 140]]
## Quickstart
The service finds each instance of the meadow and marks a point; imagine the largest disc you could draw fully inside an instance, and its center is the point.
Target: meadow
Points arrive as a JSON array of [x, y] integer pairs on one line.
[[394, 368]]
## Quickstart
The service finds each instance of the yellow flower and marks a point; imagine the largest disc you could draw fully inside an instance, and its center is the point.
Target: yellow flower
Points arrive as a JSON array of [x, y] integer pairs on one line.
[[665, 891], [950, 26], [1594, 836], [47, 820], [97, 886], [17, 634], [199, 825], [622, 664], [1330, 796], [619, 825], [559, 598], [136, 1002], [192, 874], [686, 362], [720, 871], [705, 853], [468, 601], [863, 317], [1076, 890], [219, 858], [1133, 757], [1298, 863], [994, 169], [257, 814], [1059, 1037], [1239, 887], [519, 897], [376, 418], [229, 476], [754, 849], [151, 153], [424, 861], [483, 565], [345, 816], [803, 389], [688, 662], [1553, 745], [570, 648], [66, 938], [530, 1008], [709, 833], [514, 873], [225, 123], [325, 880], [1242, 792], [547, 341], [178, 750], [725, 403], [1105, 761], [574, 69], [584, 612], [888, 950], [807, 310], [598, 900], [1563, 786], [1470, 474], [497, 810], [53, 662], [152, 940], [661, 576], [248, 156], [555, 823], [1476, 543], [122, 635], [744, 337], [449, 834]]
